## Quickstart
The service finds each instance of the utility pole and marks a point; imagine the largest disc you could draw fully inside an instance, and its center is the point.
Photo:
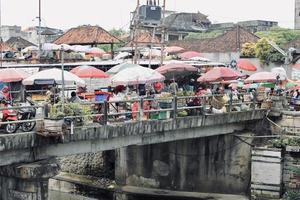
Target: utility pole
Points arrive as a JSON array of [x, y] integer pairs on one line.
[[39, 29], [136, 32], [163, 34], [1, 40]]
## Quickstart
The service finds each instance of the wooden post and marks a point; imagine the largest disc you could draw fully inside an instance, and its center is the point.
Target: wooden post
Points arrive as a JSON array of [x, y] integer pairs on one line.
[[175, 107], [105, 117], [112, 50]]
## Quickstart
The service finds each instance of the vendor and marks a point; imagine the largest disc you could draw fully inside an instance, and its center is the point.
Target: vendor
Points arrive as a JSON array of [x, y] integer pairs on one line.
[[5, 93]]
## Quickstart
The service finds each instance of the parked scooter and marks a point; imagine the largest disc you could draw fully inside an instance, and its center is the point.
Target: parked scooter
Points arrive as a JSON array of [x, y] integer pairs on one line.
[[8, 115], [27, 114]]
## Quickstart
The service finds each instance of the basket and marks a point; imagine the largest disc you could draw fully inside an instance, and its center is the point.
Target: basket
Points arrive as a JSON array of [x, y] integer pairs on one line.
[[51, 128], [217, 103]]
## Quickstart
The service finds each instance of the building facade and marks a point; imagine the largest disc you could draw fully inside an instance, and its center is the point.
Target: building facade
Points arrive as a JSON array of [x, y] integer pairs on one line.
[[297, 14]]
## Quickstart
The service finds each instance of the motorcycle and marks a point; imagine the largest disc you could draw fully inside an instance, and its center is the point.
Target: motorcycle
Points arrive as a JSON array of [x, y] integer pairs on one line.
[[28, 113], [8, 115]]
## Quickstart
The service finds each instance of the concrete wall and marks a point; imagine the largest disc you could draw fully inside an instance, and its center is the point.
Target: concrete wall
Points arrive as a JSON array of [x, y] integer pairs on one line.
[[218, 164]]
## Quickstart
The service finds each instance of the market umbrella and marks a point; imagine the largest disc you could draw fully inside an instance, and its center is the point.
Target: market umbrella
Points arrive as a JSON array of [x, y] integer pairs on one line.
[[174, 69], [173, 49], [136, 75], [189, 54], [291, 84], [219, 74], [296, 66], [9, 75], [267, 85], [198, 58], [88, 72], [54, 75], [116, 69], [261, 77], [152, 52], [246, 65], [251, 86], [96, 51]]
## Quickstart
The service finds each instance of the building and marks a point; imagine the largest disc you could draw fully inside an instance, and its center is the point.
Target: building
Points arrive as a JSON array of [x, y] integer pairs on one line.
[[48, 35], [178, 25], [19, 43], [12, 31], [31, 34], [297, 14], [251, 25]]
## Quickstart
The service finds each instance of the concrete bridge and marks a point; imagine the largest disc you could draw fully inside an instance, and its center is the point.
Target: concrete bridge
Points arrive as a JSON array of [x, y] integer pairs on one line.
[[29, 147]]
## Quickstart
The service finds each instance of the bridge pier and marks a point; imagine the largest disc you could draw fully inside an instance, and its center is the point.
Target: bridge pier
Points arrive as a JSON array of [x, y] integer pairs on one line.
[[217, 164], [26, 181]]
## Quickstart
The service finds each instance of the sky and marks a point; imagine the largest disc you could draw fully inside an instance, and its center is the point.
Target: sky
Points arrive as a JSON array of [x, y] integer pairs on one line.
[[110, 14]]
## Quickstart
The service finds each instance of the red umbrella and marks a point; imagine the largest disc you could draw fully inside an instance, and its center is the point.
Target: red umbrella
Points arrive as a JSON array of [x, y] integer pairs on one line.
[[176, 67], [261, 77], [296, 66], [189, 54], [174, 49], [9, 75], [88, 72], [246, 65], [219, 74]]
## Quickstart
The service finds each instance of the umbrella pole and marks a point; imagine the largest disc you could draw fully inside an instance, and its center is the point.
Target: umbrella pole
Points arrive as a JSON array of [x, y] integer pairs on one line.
[[62, 78]]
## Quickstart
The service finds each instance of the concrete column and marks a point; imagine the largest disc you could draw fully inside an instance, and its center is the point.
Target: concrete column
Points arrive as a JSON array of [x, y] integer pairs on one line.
[[26, 182], [121, 168]]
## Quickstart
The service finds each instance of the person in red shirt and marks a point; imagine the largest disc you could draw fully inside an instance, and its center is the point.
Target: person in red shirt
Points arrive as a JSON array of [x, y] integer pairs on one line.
[[157, 87]]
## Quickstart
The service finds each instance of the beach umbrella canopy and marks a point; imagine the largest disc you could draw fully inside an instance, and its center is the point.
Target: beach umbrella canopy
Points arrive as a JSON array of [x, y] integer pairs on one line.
[[189, 54], [246, 65], [51, 47], [219, 74], [122, 55], [55, 75], [136, 75], [261, 77], [251, 86], [174, 49], [152, 52], [296, 66], [174, 69], [9, 75], [267, 85], [198, 58], [116, 69], [30, 48], [89, 72], [80, 48], [96, 51], [280, 71]]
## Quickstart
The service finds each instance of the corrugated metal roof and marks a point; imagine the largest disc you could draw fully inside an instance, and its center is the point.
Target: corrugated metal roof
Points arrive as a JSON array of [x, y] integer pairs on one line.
[[87, 35], [19, 43]]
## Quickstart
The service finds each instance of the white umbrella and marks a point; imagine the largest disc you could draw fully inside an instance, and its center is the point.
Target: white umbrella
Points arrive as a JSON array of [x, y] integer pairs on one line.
[[136, 75], [152, 52], [56, 75], [116, 69], [80, 48], [281, 72], [122, 55], [30, 48], [51, 47], [198, 58]]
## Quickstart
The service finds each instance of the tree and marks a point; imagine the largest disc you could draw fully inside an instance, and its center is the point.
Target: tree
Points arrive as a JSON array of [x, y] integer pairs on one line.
[[263, 50], [248, 49]]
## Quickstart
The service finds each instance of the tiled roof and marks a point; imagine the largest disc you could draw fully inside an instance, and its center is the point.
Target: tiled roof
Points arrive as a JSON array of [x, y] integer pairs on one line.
[[19, 43], [87, 35], [143, 38], [230, 41]]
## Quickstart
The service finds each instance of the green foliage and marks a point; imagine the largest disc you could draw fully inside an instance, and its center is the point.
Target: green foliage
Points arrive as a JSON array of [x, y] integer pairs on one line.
[[248, 50], [118, 33], [285, 141], [280, 36], [70, 109], [292, 195], [295, 170], [263, 50], [204, 35]]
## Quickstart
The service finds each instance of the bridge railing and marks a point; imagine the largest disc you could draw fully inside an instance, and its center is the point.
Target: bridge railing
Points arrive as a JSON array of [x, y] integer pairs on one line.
[[139, 109]]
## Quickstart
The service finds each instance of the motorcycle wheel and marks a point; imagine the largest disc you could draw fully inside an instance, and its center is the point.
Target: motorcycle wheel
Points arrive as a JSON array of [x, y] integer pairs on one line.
[[11, 128], [27, 127]]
